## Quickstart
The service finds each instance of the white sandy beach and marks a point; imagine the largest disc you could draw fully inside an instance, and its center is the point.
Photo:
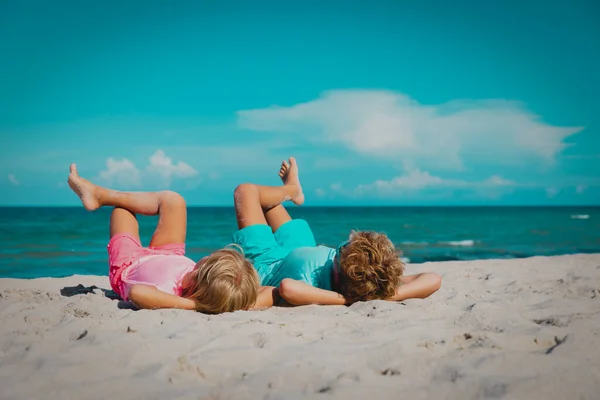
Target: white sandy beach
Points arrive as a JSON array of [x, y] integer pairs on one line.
[[514, 329]]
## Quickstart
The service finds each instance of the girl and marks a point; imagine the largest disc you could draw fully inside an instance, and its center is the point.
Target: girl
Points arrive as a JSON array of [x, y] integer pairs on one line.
[[160, 276]]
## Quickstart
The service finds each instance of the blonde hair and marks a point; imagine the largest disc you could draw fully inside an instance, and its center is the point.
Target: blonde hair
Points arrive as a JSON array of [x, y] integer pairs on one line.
[[224, 281], [370, 267]]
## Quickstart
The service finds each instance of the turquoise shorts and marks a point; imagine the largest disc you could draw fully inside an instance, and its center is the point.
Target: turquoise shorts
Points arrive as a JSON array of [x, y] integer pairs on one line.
[[267, 249]]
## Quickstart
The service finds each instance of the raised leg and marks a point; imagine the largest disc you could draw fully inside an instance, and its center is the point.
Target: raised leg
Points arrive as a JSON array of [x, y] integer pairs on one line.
[[124, 221], [278, 215], [170, 207], [261, 205]]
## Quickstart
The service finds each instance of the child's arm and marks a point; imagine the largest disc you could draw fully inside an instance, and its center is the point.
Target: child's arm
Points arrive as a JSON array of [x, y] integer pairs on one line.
[[298, 293], [267, 297], [417, 286], [149, 297]]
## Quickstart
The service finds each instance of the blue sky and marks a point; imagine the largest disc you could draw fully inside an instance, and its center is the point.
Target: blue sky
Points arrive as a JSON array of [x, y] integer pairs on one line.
[[395, 103]]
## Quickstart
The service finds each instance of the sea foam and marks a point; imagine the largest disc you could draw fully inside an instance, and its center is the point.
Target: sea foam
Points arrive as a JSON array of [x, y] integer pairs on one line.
[[580, 216], [460, 243]]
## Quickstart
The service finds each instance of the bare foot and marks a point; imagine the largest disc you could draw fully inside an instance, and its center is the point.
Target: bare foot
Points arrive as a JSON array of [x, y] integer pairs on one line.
[[289, 176], [83, 188]]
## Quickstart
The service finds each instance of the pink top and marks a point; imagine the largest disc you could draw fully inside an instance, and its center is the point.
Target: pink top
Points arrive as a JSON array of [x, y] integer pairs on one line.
[[164, 272]]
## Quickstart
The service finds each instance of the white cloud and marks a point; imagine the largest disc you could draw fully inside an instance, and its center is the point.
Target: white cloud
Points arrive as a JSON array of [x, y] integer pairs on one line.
[[498, 181], [416, 180], [13, 179], [121, 172], [392, 125], [124, 173], [337, 187], [163, 166], [320, 192]]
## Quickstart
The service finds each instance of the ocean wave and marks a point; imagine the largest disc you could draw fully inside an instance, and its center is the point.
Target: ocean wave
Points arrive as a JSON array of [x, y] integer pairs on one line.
[[464, 243], [405, 260], [580, 216], [468, 242]]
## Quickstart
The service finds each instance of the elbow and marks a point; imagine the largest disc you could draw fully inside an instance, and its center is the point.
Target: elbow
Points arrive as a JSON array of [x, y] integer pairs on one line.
[[136, 293], [142, 296], [435, 283], [288, 290]]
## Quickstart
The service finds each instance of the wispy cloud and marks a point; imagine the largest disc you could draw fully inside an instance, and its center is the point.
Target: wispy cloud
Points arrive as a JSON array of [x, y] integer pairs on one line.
[[552, 192], [419, 184], [13, 179], [160, 169], [416, 180], [320, 192], [122, 172], [164, 167], [392, 125]]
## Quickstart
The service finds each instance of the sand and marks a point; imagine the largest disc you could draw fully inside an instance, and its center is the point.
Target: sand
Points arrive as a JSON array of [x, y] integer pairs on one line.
[[514, 329]]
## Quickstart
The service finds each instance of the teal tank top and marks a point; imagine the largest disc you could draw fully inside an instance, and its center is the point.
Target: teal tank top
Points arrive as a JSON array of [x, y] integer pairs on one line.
[[312, 265]]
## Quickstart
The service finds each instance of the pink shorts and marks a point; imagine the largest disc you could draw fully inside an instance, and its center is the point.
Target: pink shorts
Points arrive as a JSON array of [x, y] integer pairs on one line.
[[124, 250]]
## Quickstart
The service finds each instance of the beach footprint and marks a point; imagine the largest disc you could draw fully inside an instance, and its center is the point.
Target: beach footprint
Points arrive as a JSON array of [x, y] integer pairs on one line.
[[260, 339]]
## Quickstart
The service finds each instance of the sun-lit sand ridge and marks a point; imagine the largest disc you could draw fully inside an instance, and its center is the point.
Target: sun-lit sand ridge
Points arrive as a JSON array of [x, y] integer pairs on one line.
[[518, 329]]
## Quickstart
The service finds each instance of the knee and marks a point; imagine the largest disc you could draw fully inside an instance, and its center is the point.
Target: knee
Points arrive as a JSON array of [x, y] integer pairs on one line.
[[172, 198], [244, 190], [288, 290], [437, 282]]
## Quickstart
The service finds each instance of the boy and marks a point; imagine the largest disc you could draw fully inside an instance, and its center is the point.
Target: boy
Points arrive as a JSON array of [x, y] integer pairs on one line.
[[285, 254], [160, 276]]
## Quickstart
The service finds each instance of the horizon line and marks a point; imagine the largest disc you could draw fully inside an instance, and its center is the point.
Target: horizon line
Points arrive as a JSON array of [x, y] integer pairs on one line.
[[356, 206]]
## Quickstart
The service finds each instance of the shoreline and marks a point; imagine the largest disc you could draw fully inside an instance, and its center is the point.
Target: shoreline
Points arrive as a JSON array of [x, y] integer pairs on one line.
[[408, 262], [498, 328], [486, 205]]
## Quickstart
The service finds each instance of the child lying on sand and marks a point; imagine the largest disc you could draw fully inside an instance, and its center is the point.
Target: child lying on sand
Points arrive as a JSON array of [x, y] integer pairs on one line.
[[160, 276], [284, 252]]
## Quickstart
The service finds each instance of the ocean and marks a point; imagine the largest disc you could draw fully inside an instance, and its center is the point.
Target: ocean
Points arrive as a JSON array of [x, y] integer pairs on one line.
[[56, 242]]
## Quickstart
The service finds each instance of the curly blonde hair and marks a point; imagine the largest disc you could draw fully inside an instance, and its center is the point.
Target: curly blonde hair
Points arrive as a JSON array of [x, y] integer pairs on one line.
[[224, 281], [370, 267]]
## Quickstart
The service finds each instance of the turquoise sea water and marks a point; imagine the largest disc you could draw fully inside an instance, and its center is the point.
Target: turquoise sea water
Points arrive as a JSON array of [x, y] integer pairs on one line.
[[40, 242]]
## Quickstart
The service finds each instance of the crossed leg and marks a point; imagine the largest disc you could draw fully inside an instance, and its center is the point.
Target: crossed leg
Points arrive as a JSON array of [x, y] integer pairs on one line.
[[262, 205], [170, 207]]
